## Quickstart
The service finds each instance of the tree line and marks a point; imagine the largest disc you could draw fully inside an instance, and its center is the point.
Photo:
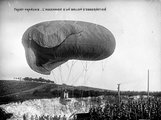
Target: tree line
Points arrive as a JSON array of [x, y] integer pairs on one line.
[[40, 79]]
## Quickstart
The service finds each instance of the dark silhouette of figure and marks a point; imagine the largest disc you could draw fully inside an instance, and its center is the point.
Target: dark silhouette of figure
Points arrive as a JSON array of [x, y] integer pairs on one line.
[[3, 115]]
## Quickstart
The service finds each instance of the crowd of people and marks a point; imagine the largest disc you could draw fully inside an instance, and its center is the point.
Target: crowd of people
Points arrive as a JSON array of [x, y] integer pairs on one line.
[[43, 117], [131, 110], [149, 109]]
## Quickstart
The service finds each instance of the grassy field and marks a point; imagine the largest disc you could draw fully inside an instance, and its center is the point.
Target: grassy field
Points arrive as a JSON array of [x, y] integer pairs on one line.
[[10, 86], [13, 91]]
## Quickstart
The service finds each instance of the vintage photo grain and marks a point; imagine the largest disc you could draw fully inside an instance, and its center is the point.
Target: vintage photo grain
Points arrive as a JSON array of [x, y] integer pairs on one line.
[[80, 60]]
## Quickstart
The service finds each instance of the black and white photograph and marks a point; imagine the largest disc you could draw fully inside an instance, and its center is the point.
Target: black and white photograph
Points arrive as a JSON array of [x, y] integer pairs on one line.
[[80, 60]]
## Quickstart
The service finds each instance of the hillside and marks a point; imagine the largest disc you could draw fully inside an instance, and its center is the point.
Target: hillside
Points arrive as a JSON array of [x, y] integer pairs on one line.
[[13, 91], [11, 86]]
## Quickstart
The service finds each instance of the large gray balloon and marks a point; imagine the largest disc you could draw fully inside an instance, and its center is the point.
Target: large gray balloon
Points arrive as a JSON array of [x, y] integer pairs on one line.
[[52, 43]]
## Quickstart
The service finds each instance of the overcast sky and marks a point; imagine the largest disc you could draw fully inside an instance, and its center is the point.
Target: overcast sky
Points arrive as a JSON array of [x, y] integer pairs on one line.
[[135, 25]]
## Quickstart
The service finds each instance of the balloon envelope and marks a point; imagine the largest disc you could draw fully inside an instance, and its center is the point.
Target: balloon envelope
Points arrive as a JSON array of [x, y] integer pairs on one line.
[[50, 44]]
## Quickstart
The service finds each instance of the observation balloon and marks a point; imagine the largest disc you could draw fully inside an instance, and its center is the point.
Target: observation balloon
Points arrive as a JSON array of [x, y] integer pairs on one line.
[[52, 43]]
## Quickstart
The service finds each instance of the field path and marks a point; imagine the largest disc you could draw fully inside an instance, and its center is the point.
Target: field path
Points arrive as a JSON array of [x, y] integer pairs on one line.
[[25, 91]]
